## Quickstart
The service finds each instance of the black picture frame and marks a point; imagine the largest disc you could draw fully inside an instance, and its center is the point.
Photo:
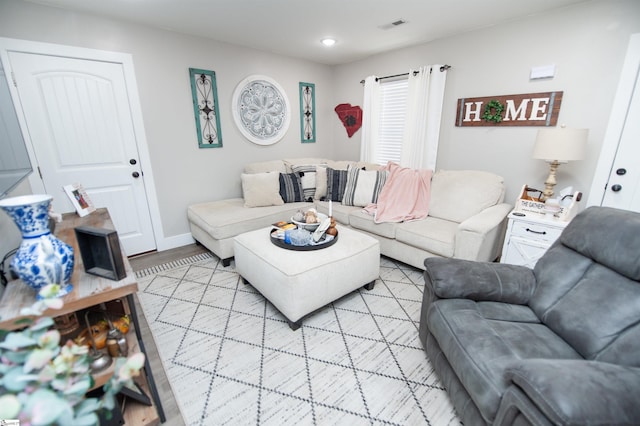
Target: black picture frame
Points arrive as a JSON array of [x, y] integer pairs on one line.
[[100, 251]]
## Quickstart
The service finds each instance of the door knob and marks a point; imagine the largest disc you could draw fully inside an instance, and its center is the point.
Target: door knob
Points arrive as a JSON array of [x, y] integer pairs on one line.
[[135, 175], [616, 187], [133, 162]]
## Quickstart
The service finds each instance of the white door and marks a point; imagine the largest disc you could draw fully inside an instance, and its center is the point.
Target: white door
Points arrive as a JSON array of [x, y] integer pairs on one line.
[[80, 124], [616, 181], [623, 187]]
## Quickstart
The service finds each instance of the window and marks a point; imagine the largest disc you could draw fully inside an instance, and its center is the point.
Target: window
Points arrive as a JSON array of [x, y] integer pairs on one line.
[[393, 107]]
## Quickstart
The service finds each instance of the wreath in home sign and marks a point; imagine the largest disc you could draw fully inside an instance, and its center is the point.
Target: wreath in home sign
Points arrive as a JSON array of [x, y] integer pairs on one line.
[[493, 111]]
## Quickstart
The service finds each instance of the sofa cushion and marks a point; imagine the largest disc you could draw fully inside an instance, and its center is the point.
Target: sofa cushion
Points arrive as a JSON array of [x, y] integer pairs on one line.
[[597, 245], [261, 189], [340, 165], [363, 186], [368, 166], [266, 166], [291, 188], [434, 235], [594, 308], [591, 306], [336, 183], [480, 350], [291, 162], [308, 177], [456, 195], [228, 218], [339, 212], [360, 219]]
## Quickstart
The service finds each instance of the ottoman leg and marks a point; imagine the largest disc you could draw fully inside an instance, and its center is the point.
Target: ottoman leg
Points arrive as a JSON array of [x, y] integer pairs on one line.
[[244, 281], [226, 262], [370, 285], [294, 325]]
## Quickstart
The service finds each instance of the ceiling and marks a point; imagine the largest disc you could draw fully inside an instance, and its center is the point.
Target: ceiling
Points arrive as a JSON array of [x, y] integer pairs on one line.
[[294, 27]]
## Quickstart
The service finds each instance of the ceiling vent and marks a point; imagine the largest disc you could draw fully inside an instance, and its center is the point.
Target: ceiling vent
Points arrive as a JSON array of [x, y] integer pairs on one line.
[[393, 24]]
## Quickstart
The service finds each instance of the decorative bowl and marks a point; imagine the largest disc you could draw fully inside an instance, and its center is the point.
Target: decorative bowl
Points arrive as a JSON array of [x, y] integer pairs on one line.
[[310, 226]]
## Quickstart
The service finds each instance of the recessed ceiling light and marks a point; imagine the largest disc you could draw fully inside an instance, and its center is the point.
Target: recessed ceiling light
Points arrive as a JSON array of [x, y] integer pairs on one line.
[[328, 41]]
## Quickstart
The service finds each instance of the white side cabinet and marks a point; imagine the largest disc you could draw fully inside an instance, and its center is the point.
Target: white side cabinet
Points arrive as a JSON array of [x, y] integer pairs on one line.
[[528, 238]]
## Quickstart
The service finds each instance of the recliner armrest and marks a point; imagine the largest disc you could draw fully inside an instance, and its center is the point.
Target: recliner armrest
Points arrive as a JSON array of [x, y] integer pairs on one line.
[[576, 392], [486, 281]]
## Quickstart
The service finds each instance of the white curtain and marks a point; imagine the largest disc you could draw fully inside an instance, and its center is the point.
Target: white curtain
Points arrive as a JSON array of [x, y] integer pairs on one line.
[[370, 119], [424, 113]]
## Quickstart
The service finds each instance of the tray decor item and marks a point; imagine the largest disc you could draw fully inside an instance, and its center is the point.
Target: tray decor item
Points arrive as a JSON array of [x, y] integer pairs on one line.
[[100, 250], [324, 242]]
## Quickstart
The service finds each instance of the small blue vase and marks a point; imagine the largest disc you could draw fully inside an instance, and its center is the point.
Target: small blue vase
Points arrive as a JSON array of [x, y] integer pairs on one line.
[[42, 258]]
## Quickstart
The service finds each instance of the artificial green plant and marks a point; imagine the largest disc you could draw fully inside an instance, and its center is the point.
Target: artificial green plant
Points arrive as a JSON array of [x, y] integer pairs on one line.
[[43, 383]]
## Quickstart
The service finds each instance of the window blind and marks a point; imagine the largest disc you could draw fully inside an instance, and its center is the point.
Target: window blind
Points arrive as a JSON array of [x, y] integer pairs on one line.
[[393, 109]]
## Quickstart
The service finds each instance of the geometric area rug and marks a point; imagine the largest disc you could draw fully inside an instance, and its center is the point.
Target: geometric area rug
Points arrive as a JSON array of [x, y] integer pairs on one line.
[[232, 359]]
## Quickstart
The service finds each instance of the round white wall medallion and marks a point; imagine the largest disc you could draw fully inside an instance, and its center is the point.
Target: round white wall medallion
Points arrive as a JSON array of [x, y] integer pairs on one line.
[[261, 109]]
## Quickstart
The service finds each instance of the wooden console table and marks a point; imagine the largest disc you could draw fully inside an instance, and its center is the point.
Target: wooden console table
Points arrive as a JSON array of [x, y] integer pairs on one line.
[[90, 290]]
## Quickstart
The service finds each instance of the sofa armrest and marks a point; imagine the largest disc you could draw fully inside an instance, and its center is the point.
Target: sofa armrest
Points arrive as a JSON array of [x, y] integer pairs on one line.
[[480, 237], [574, 392], [464, 279]]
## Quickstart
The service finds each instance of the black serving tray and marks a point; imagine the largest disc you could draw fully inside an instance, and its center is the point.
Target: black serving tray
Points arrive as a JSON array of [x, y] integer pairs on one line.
[[280, 243]]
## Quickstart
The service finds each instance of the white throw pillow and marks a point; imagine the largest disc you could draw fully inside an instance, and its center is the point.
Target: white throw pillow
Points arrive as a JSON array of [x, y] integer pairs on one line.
[[363, 186], [321, 183], [261, 189], [308, 178]]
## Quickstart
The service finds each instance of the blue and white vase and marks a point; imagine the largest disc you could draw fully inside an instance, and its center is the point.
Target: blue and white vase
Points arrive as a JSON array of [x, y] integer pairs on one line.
[[41, 258]]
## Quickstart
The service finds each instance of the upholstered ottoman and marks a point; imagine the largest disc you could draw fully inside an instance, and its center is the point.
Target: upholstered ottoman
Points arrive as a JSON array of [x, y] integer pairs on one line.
[[298, 283]]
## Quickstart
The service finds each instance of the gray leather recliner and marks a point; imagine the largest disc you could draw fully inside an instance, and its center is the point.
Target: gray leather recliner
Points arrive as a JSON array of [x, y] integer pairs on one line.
[[559, 344]]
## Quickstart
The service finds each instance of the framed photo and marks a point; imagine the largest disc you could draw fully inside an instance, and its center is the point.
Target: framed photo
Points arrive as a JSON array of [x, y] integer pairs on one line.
[[205, 107], [79, 199]]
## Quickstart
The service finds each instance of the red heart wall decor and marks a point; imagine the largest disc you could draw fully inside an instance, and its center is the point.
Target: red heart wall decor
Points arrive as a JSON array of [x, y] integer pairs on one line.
[[351, 117]]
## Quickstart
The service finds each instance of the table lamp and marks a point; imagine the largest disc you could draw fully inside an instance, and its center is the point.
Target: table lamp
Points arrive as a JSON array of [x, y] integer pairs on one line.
[[557, 146]]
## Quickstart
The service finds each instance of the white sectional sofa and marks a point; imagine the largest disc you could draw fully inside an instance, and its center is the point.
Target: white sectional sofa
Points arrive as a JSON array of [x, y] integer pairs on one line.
[[467, 216]]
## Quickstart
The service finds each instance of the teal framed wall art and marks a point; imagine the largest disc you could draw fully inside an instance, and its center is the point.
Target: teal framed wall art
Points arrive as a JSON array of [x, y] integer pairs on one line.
[[205, 107], [307, 112]]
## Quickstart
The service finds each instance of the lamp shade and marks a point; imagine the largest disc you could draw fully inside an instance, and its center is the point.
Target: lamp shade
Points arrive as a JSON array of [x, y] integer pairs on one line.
[[560, 144]]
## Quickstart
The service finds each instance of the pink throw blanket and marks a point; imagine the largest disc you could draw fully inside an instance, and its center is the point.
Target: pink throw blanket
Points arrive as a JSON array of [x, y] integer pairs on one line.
[[405, 196]]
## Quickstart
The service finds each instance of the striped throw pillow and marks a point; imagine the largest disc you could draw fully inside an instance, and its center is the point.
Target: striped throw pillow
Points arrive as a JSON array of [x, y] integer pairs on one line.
[[336, 182], [307, 175], [363, 186], [290, 188]]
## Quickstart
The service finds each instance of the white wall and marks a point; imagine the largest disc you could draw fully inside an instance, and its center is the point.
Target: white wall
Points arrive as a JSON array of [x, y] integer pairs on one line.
[[587, 43], [185, 174]]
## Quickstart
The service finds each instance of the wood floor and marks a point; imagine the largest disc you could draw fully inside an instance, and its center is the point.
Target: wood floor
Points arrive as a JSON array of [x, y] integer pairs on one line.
[[172, 413]]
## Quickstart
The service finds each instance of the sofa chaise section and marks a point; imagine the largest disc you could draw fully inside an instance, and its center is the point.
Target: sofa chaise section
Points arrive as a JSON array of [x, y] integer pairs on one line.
[[214, 224]]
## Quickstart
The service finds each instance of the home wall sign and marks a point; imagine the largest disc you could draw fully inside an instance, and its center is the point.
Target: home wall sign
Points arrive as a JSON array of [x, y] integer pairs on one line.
[[531, 109], [307, 112], [261, 109], [205, 107], [351, 117]]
